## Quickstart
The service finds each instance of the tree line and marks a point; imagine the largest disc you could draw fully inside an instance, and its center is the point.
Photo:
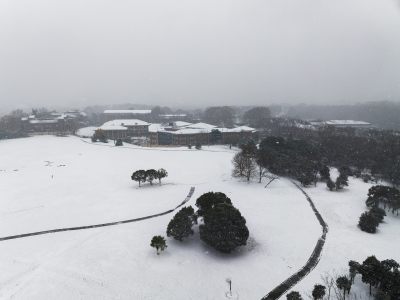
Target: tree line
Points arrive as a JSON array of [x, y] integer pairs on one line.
[[371, 155], [383, 276], [296, 159], [380, 199]]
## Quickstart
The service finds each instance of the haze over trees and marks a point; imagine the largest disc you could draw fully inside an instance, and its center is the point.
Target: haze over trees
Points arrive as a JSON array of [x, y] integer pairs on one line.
[[222, 116], [258, 117]]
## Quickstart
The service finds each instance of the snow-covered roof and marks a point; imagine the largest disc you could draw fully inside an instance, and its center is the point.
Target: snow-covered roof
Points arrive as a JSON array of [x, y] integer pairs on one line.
[[195, 130], [127, 122], [190, 131], [112, 127], [156, 127], [127, 111], [346, 122], [43, 121], [201, 126], [243, 128], [236, 129], [86, 131], [181, 124], [173, 115]]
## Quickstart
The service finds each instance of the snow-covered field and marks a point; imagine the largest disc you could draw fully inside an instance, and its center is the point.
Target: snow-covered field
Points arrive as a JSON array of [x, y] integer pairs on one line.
[[51, 182]]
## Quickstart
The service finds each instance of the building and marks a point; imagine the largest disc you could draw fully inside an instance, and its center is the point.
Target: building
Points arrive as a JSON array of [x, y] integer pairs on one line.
[[123, 114], [135, 127], [348, 123], [54, 123], [114, 132], [173, 117], [177, 133], [198, 133]]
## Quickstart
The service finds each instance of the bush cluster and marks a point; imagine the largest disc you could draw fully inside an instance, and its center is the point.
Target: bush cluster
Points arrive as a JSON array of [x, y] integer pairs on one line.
[[141, 176], [223, 226]]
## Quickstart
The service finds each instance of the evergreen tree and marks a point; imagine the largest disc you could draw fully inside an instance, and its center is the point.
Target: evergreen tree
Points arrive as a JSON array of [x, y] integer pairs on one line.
[[368, 222], [378, 213], [159, 243], [341, 181], [161, 173], [181, 224], [343, 283], [151, 175], [224, 228], [139, 176], [354, 268], [330, 184], [370, 271], [99, 135], [294, 296], [209, 200], [388, 197], [324, 172], [318, 292], [118, 142]]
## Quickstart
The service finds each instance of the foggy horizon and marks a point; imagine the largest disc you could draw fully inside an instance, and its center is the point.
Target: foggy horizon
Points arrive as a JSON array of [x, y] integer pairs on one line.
[[192, 54]]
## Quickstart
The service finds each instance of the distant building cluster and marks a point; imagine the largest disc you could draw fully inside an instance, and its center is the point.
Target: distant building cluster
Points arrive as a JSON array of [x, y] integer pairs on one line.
[[178, 133], [342, 124], [53, 122]]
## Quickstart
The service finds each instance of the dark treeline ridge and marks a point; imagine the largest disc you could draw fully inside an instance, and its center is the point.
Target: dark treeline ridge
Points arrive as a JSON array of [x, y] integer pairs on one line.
[[304, 153]]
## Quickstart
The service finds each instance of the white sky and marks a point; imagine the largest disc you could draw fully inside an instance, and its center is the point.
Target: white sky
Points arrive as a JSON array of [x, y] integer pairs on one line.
[[204, 52]]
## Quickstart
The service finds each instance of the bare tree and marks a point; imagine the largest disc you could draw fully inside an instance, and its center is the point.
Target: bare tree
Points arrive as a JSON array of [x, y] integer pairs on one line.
[[238, 165], [329, 282], [244, 166]]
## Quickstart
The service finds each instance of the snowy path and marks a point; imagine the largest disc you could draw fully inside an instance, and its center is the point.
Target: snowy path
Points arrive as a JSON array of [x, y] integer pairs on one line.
[[12, 237], [312, 262]]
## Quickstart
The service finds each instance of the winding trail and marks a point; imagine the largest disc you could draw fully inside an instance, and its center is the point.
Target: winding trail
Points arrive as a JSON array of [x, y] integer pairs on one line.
[[312, 262], [12, 237]]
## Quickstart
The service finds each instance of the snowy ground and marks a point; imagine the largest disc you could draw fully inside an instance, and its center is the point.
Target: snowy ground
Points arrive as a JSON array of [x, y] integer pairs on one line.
[[341, 210], [51, 182]]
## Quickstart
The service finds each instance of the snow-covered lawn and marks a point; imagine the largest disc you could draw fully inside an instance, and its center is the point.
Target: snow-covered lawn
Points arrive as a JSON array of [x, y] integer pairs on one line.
[[341, 210], [51, 182]]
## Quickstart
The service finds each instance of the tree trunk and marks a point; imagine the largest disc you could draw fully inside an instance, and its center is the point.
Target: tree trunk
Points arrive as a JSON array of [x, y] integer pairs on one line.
[[344, 294]]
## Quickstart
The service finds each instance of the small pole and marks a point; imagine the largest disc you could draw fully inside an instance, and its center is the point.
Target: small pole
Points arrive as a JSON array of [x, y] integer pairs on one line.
[[229, 281]]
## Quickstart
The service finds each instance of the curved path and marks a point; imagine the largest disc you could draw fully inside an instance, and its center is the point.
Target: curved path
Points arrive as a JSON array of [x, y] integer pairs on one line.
[[312, 262], [12, 237]]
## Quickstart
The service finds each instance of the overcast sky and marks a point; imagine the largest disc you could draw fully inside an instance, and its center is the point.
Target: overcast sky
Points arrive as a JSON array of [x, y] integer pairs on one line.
[[203, 52]]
